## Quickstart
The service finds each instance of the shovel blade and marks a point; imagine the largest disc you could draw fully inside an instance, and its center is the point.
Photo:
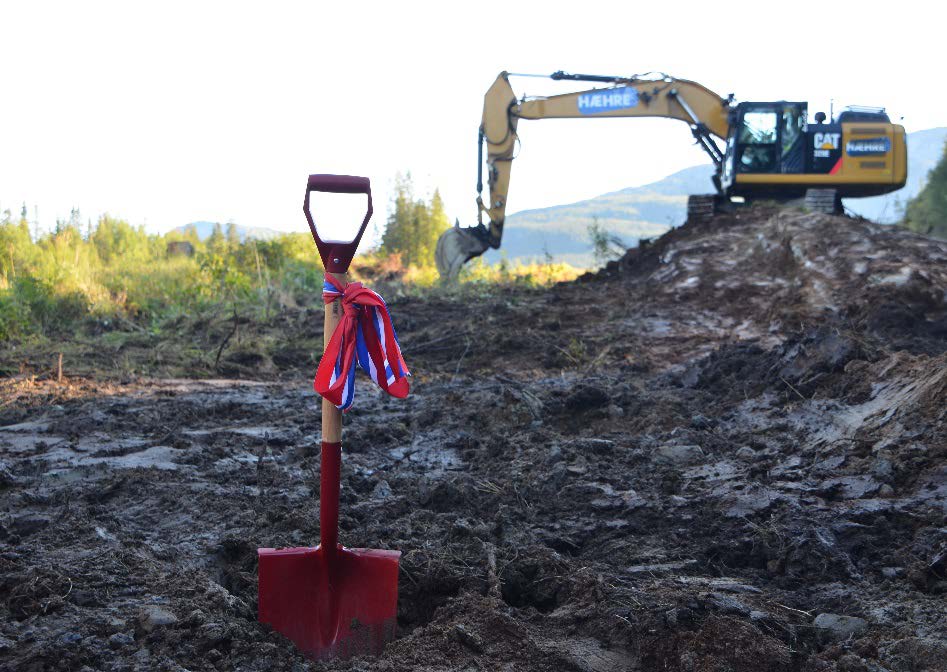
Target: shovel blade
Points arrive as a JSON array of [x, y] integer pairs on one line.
[[334, 605]]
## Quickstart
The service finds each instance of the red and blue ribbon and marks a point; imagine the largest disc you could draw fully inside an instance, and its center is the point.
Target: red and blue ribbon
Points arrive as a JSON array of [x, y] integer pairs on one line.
[[364, 336]]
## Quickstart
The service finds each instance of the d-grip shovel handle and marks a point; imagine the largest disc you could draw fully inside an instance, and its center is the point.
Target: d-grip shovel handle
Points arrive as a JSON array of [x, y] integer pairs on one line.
[[336, 256]]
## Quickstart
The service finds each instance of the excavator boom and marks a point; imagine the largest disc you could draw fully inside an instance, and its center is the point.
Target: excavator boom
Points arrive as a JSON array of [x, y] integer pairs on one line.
[[651, 95]]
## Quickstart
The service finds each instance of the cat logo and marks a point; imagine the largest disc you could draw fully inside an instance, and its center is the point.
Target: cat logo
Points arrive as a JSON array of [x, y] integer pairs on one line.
[[824, 143]]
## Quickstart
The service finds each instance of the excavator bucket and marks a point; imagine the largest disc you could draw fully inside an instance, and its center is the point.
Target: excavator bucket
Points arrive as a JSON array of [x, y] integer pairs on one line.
[[454, 248]]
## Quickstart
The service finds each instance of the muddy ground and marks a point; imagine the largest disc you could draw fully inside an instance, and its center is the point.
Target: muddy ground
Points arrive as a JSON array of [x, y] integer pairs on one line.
[[725, 452]]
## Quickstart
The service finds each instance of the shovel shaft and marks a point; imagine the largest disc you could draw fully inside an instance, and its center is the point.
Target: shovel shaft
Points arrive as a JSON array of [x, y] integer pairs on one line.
[[331, 473], [329, 496], [332, 416]]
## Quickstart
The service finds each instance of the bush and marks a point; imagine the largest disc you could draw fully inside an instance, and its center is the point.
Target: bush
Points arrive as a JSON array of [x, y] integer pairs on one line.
[[14, 317], [31, 304]]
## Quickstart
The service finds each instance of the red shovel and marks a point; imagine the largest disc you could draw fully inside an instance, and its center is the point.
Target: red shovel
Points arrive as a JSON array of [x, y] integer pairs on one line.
[[331, 601]]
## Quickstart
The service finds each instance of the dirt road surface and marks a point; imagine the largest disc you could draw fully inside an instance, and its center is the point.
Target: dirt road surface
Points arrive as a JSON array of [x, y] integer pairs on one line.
[[725, 452]]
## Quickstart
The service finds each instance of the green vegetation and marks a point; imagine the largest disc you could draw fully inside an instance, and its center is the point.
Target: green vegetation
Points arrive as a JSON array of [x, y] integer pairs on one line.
[[111, 275], [927, 212], [117, 271], [605, 245]]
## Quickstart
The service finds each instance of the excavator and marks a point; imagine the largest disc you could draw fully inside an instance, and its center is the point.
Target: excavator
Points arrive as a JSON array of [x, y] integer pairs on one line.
[[760, 150]]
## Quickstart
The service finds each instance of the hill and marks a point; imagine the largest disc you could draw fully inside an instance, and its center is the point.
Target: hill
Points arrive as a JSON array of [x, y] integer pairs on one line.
[[649, 210], [205, 228], [633, 213]]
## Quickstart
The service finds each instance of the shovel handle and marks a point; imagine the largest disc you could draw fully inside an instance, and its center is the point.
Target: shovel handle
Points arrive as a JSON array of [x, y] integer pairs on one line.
[[340, 184], [336, 256]]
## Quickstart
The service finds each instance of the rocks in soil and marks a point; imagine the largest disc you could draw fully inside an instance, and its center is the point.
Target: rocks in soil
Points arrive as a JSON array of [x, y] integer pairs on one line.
[[849, 487], [679, 454], [726, 604], [586, 398], [753, 500], [892, 572], [818, 352], [595, 446], [120, 639], [382, 490], [468, 638], [838, 627], [152, 616], [7, 479], [746, 453]]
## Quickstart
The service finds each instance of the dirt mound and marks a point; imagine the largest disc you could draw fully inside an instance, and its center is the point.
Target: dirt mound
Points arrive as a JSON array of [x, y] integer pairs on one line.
[[726, 452], [790, 269]]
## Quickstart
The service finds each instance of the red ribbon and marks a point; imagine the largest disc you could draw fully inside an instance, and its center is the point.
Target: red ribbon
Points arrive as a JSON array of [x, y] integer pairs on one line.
[[364, 336]]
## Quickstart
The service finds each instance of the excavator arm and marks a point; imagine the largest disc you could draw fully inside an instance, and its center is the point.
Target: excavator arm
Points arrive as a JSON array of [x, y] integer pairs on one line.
[[637, 96]]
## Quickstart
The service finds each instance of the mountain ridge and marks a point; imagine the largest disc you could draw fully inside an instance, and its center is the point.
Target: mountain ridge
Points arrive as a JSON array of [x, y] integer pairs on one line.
[[206, 228]]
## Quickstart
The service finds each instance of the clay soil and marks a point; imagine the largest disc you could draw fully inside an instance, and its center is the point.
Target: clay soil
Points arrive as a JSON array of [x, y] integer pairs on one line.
[[725, 452]]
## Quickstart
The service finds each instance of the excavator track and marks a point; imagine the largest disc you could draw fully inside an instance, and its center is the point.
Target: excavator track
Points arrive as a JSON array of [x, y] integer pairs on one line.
[[701, 207], [823, 200]]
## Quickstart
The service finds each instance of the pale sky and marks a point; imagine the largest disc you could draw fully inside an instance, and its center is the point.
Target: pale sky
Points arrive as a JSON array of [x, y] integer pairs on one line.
[[166, 113]]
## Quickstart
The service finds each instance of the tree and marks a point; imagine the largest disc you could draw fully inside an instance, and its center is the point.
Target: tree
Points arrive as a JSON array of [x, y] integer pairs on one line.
[[413, 226], [16, 246], [191, 235], [216, 242], [394, 240], [437, 224], [115, 240], [927, 212], [233, 236]]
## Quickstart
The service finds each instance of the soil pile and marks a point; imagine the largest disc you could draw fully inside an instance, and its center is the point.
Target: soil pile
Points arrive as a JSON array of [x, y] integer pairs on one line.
[[726, 451]]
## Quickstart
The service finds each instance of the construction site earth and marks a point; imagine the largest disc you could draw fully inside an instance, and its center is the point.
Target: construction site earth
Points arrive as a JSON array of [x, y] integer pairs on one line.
[[726, 451]]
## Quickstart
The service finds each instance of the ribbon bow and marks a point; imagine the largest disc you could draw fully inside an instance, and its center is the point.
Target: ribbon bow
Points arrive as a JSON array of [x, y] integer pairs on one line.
[[364, 335]]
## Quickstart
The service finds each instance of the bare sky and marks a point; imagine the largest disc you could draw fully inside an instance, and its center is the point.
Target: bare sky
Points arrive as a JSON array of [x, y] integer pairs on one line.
[[166, 113]]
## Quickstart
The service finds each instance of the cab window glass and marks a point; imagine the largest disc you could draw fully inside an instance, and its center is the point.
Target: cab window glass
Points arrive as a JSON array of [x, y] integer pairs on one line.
[[759, 127], [794, 119], [758, 159]]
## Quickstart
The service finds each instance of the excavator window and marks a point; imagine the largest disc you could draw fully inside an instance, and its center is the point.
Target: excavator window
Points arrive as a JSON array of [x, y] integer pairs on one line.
[[756, 141], [759, 127], [792, 137]]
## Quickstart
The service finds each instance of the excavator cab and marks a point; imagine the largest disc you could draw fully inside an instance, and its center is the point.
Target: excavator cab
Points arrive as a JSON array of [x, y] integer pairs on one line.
[[766, 138]]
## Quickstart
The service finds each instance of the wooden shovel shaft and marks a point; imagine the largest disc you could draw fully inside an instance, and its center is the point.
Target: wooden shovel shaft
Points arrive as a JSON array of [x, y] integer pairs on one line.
[[332, 416], [331, 449]]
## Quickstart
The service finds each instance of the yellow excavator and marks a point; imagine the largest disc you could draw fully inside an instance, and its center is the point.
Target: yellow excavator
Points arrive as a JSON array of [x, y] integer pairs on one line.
[[769, 149]]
